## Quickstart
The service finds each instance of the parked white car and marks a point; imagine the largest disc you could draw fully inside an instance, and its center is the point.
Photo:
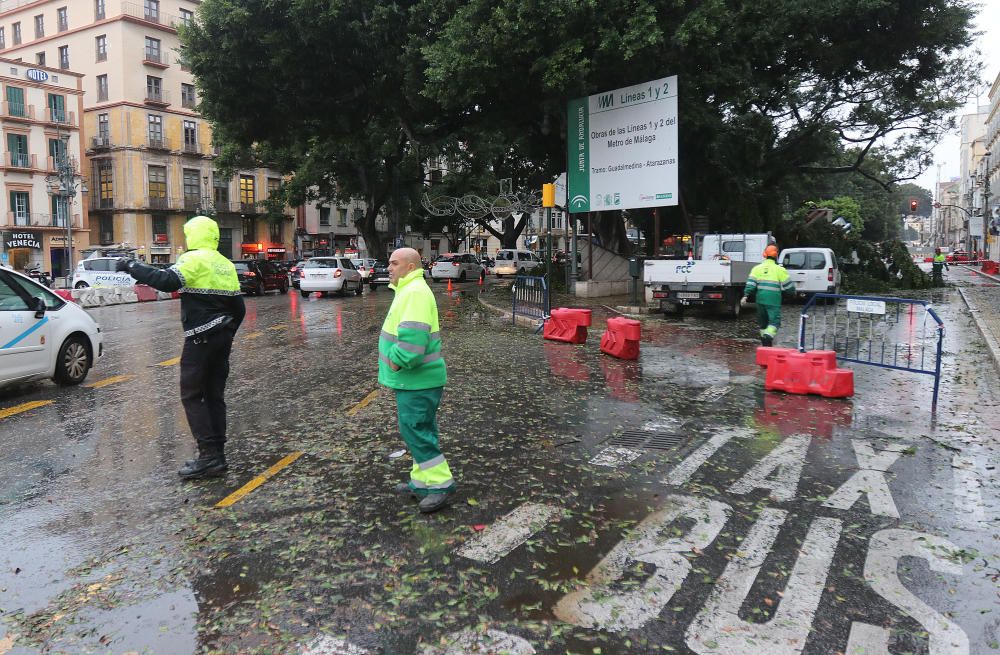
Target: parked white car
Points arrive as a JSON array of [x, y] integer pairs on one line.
[[330, 275], [454, 266], [100, 272], [813, 270], [515, 262], [42, 335]]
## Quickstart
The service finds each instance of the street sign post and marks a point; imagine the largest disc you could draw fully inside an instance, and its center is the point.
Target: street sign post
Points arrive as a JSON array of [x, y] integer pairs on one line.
[[622, 148]]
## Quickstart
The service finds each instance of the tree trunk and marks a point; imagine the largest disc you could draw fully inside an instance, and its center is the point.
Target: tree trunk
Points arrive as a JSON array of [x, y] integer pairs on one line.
[[611, 228], [367, 227], [509, 232]]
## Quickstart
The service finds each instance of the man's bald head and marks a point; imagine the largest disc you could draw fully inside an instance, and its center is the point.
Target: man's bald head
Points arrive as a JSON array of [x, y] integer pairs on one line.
[[402, 262]]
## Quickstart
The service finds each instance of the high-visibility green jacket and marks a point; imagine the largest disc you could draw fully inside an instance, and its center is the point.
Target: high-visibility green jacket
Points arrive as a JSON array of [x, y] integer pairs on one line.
[[411, 338], [940, 261], [767, 281], [207, 281]]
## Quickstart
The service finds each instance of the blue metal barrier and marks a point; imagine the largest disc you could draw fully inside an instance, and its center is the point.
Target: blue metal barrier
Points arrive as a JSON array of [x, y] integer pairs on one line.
[[530, 298], [891, 333]]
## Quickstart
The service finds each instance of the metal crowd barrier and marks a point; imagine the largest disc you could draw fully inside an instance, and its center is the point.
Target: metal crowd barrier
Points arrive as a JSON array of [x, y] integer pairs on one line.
[[530, 298], [893, 333]]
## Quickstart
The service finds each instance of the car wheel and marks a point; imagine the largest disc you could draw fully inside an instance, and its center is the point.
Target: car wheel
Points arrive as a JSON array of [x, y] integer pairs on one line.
[[81, 285], [284, 287], [520, 271], [305, 294], [372, 288], [73, 361], [434, 279], [461, 278], [360, 289]]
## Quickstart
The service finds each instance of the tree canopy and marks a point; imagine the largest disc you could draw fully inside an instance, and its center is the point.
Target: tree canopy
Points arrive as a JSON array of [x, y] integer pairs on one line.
[[353, 97]]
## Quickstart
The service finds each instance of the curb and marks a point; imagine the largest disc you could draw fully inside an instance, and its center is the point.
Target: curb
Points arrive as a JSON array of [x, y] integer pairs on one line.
[[991, 341], [974, 270], [523, 321]]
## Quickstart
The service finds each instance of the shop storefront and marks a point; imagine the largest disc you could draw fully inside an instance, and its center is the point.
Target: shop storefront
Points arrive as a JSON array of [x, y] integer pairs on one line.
[[23, 250], [275, 254]]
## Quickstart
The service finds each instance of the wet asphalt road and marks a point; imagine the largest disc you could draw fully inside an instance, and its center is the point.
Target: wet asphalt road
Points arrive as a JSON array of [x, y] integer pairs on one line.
[[664, 505]]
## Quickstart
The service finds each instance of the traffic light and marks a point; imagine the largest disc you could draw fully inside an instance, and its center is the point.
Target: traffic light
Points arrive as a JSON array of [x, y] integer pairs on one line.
[[913, 206]]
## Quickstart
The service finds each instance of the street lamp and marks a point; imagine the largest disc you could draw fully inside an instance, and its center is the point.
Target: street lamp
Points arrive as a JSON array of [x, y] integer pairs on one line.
[[64, 184], [986, 199], [206, 207]]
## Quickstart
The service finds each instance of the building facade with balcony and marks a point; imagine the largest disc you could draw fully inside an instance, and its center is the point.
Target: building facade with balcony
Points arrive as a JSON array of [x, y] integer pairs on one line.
[[991, 171], [40, 118], [149, 153]]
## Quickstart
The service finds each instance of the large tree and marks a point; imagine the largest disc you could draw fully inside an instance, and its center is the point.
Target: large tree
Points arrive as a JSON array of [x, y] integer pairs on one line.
[[770, 91]]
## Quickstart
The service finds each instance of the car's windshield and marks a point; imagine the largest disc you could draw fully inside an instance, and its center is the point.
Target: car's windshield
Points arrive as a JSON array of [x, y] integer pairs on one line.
[[448, 258], [241, 267], [318, 262]]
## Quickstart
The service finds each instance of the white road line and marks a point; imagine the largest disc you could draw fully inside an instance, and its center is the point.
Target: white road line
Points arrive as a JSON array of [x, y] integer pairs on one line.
[[867, 639], [327, 645], [718, 627], [608, 604], [683, 471], [502, 537], [787, 459], [615, 457], [869, 480], [885, 550], [968, 494], [491, 641]]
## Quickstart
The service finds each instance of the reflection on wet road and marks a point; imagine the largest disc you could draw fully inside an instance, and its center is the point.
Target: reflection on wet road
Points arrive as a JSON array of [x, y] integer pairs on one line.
[[663, 505]]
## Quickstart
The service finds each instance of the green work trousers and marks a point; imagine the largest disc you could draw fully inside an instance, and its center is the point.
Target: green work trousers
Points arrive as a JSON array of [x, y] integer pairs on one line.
[[768, 319], [417, 413]]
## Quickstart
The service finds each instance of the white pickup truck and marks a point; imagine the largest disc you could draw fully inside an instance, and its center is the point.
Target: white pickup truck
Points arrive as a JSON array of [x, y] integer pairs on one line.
[[715, 276]]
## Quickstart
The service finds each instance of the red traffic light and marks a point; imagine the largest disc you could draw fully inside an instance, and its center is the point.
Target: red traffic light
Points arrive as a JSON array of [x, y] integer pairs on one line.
[[913, 205]]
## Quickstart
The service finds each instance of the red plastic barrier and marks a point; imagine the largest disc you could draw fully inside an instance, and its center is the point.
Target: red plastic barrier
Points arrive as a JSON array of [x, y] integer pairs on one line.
[[991, 268], [812, 372], [175, 294], [145, 293], [65, 294], [568, 325], [928, 260], [766, 353], [622, 338]]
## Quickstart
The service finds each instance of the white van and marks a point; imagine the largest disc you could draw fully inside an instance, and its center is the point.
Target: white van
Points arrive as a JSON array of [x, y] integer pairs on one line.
[[813, 270], [100, 272], [516, 262]]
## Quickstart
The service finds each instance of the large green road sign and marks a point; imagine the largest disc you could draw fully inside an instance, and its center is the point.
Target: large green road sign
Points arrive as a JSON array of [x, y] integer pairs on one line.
[[623, 148]]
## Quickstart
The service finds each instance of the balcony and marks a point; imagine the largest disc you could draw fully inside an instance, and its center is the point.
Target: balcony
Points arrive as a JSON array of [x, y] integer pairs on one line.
[[192, 149], [18, 111], [20, 160], [60, 116], [100, 142], [156, 97], [155, 58], [97, 202], [159, 202], [155, 143], [139, 11], [23, 219]]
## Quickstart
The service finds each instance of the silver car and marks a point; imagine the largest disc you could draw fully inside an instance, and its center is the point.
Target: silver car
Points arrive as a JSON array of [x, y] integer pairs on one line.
[[456, 267], [330, 274]]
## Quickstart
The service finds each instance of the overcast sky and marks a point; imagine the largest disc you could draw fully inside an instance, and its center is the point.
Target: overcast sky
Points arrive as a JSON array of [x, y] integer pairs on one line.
[[947, 152]]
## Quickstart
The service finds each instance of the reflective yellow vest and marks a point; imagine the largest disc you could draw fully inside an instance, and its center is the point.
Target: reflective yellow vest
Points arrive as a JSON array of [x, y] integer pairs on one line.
[[767, 281], [411, 338]]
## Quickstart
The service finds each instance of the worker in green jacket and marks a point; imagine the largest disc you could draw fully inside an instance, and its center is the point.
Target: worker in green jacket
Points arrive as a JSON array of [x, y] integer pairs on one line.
[[940, 262], [768, 281], [410, 363]]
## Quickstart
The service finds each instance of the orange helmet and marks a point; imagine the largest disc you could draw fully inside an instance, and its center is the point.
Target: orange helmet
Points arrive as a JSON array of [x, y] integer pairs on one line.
[[771, 251]]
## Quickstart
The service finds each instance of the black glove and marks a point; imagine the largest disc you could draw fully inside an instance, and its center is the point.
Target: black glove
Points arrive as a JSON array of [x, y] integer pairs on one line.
[[123, 265]]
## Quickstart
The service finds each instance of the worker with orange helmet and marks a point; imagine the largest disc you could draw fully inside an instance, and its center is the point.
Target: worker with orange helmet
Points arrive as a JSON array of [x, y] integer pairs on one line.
[[767, 283]]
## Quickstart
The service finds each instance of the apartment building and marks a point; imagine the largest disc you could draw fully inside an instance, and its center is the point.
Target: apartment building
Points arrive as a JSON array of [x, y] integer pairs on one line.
[[149, 153], [40, 219], [990, 177]]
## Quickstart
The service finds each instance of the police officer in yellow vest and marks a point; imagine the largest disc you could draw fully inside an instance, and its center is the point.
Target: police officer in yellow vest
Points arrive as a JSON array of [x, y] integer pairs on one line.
[[211, 311], [768, 281], [940, 262], [410, 363]]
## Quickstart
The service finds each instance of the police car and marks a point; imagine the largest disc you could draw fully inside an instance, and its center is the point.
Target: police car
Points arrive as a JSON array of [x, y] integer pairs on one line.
[[100, 272], [42, 335]]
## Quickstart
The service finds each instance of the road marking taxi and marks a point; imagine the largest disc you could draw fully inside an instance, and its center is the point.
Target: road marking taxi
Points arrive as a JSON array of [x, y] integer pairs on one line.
[[364, 403], [259, 480], [109, 381], [23, 407]]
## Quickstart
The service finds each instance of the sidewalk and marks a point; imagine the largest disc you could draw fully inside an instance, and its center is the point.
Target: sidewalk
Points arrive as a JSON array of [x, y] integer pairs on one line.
[[983, 300]]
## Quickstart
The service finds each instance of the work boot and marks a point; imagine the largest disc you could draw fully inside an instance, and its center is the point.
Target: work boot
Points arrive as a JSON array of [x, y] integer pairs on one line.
[[434, 502], [211, 462], [403, 489], [766, 340]]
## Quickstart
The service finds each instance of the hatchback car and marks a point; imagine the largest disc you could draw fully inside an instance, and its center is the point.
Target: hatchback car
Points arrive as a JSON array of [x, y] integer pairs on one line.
[[812, 270], [379, 276], [42, 335], [457, 267], [258, 276], [330, 274]]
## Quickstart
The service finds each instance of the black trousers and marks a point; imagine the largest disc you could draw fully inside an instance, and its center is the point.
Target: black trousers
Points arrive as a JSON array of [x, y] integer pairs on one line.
[[204, 370]]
